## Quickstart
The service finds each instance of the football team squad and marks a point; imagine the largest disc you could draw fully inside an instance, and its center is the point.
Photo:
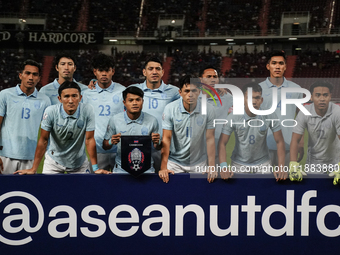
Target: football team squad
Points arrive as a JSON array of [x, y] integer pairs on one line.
[[184, 124]]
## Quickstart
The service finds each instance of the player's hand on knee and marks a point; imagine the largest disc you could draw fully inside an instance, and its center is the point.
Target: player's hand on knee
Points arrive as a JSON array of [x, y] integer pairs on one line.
[[212, 175], [284, 175], [102, 171], [116, 138], [25, 171], [164, 174], [280, 174], [295, 171], [225, 172]]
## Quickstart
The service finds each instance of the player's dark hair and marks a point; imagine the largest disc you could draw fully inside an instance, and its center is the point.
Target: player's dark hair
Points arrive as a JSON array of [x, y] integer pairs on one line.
[[202, 70], [153, 59], [277, 54], [133, 90], [102, 62], [254, 85], [188, 79], [68, 85], [64, 54], [325, 84], [30, 62]]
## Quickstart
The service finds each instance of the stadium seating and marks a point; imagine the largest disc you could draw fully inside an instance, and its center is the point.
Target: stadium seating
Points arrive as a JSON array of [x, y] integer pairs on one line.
[[317, 64], [10, 6], [153, 8], [337, 16], [62, 15], [190, 62], [315, 7], [10, 61], [117, 16], [248, 65], [233, 17]]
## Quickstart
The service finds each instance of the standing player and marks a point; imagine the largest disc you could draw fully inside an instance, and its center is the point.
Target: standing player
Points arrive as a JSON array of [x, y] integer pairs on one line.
[[65, 66], [68, 126], [131, 122], [277, 66], [184, 146], [21, 111], [251, 152], [209, 76], [107, 101], [323, 128], [157, 95]]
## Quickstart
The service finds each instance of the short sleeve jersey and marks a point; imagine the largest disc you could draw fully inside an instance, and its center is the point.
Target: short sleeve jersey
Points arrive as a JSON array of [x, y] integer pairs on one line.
[[121, 123], [67, 133], [51, 90], [156, 100], [323, 141], [221, 112], [188, 144], [22, 115], [250, 137], [267, 90], [106, 103]]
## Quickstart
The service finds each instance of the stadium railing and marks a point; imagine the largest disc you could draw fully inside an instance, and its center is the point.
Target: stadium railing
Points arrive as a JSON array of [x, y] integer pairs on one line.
[[232, 33]]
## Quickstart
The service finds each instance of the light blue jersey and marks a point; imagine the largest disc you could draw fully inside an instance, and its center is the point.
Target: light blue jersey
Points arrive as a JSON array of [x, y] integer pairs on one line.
[[250, 137], [156, 100], [188, 144], [20, 126], [121, 123], [267, 88], [51, 90], [221, 112], [323, 141], [67, 133], [106, 103]]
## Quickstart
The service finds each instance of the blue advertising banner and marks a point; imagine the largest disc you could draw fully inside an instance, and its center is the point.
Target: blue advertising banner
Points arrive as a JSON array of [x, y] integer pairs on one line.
[[119, 214]]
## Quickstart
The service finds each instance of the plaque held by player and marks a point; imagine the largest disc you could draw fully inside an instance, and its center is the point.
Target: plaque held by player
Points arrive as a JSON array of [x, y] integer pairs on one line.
[[136, 154]]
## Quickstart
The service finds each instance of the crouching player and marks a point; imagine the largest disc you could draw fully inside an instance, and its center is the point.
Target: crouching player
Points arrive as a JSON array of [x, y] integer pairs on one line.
[[323, 128], [133, 121], [188, 136], [69, 126], [251, 152]]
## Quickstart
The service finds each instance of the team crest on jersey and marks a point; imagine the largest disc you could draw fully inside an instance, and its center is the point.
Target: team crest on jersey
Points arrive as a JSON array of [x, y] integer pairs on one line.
[[136, 159], [163, 96], [145, 131], [45, 116], [115, 99], [199, 121], [80, 124], [37, 104]]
